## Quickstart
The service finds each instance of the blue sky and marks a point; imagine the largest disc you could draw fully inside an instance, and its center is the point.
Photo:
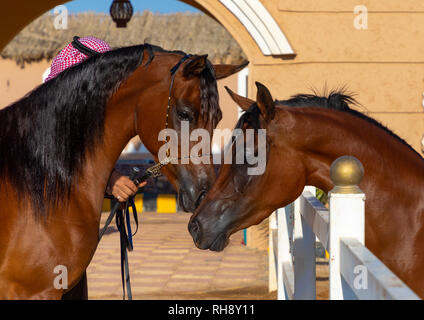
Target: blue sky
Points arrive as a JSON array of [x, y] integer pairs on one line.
[[162, 6]]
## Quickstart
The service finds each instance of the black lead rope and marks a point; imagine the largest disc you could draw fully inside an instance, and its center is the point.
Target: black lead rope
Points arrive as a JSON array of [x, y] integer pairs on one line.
[[125, 237], [125, 233], [126, 245]]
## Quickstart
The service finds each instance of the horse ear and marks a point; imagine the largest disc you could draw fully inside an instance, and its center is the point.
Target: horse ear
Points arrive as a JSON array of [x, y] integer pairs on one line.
[[195, 66], [265, 102], [243, 102], [224, 70]]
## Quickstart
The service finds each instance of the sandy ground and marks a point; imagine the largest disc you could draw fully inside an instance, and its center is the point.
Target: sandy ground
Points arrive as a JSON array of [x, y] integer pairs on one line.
[[165, 264]]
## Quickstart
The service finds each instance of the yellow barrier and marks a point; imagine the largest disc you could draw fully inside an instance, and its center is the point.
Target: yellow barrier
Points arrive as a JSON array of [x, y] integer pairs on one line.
[[166, 203], [106, 205], [138, 200]]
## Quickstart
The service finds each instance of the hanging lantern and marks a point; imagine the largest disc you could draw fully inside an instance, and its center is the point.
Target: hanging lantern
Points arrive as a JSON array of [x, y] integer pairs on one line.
[[121, 12]]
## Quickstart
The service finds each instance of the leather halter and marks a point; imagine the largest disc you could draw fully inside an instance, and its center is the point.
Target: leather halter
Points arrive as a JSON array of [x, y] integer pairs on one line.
[[173, 73]]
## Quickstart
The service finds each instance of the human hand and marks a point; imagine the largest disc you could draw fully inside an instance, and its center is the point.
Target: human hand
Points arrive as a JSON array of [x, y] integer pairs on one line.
[[121, 187]]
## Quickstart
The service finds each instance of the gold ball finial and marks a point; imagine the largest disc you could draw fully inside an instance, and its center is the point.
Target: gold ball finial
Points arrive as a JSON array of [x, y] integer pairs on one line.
[[346, 173]]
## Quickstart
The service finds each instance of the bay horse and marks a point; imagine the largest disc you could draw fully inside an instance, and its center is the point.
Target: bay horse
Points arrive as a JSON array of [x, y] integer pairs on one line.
[[59, 144], [304, 135]]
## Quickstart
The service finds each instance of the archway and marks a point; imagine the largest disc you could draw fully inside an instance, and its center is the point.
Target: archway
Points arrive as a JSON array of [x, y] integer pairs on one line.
[[248, 21], [254, 18]]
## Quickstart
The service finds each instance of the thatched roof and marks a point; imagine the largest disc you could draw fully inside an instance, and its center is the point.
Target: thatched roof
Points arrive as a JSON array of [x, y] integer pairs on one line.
[[193, 33]]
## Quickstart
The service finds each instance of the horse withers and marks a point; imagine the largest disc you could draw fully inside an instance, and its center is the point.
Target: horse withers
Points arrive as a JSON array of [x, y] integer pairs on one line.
[[59, 143], [304, 135]]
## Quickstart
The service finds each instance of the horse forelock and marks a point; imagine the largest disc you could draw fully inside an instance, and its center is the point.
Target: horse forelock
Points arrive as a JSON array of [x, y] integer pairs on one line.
[[209, 98]]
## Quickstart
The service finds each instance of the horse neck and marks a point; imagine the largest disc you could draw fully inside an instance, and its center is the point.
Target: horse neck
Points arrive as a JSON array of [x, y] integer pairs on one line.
[[332, 134], [119, 128]]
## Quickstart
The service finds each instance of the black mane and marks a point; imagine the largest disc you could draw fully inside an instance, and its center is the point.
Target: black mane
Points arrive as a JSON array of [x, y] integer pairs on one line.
[[340, 101], [335, 100], [46, 135]]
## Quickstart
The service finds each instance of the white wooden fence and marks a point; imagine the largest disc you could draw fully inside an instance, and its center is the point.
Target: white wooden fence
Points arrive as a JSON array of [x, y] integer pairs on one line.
[[355, 273]]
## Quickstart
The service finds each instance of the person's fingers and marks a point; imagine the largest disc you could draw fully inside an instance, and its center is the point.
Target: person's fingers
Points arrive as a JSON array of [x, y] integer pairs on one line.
[[129, 184], [142, 184], [122, 197], [124, 189]]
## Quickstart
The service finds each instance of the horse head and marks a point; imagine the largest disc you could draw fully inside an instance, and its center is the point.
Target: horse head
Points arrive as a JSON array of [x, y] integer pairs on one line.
[[182, 88], [238, 199]]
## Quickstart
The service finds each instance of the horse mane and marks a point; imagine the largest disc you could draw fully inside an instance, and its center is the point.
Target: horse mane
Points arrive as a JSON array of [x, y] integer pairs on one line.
[[46, 135], [337, 100]]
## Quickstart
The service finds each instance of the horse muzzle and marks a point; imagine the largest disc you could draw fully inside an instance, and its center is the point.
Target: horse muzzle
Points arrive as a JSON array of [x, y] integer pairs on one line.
[[207, 240]]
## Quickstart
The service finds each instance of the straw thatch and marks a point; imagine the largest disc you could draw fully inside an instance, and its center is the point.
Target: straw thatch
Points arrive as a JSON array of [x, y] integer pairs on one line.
[[193, 33]]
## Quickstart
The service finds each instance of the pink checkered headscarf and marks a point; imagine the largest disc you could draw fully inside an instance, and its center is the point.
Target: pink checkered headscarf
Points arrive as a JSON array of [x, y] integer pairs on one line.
[[69, 56]]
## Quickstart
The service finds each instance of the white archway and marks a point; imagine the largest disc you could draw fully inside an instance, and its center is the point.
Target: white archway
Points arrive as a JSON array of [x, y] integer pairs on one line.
[[260, 25]]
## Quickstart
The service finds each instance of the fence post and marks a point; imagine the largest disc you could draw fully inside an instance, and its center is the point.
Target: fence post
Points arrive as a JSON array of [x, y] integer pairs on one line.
[[304, 255], [284, 255], [347, 218], [272, 261]]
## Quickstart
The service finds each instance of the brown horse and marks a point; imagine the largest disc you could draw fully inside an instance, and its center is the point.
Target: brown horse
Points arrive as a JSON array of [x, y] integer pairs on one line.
[[304, 135], [58, 146]]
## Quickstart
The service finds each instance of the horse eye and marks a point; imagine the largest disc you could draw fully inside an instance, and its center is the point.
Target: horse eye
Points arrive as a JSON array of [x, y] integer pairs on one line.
[[183, 116]]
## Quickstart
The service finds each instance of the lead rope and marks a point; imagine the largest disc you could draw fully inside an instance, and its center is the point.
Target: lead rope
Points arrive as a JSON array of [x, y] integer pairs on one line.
[[126, 234]]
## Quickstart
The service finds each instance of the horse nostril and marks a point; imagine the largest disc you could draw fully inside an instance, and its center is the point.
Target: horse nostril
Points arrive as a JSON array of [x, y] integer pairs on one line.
[[194, 229]]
